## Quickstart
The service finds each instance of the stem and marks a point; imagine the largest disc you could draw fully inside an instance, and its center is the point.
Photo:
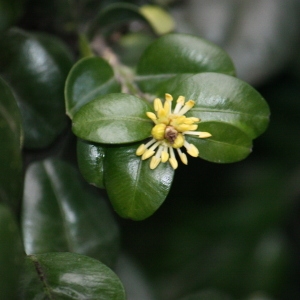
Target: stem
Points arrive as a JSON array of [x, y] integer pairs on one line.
[[124, 75]]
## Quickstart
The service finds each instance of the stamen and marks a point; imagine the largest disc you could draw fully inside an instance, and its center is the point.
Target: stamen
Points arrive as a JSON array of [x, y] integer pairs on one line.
[[188, 105], [152, 141], [180, 103], [152, 116], [158, 131], [150, 151], [147, 154], [173, 163], [168, 97], [157, 104], [204, 135], [154, 162], [164, 154], [158, 152], [196, 120], [189, 121], [186, 127], [167, 107], [161, 113], [200, 134], [180, 119], [182, 156], [140, 150], [172, 159], [191, 149], [157, 158]]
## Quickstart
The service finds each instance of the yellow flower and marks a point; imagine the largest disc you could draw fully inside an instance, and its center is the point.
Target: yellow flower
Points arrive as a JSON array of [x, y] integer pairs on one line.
[[169, 132]]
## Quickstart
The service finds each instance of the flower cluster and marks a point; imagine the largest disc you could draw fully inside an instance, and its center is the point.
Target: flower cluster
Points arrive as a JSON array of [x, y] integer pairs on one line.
[[169, 132]]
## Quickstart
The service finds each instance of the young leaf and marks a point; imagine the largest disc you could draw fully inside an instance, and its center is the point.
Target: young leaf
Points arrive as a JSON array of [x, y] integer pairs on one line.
[[59, 214], [222, 98], [135, 190], [161, 21], [113, 119], [179, 54], [43, 63], [90, 158], [69, 276], [89, 78]]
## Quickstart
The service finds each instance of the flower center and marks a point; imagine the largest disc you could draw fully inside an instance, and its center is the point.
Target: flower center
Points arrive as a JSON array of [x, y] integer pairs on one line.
[[171, 134]]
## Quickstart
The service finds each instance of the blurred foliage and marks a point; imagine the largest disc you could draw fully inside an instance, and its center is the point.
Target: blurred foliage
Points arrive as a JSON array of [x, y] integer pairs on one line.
[[225, 231]]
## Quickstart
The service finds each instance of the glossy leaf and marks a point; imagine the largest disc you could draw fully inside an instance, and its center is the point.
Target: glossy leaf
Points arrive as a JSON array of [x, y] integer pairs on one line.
[[43, 63], [222, 98], [178, 54], [113, 119], [90, 158], [69, 276], [89, 78], [10, 10], [11, 254], [226, 145], [135, 190], [119, 13], [59, 214], [10, 151]]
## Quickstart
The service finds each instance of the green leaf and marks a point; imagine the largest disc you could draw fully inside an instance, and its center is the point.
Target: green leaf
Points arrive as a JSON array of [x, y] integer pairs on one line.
[[69, 276], [43, 63], [11, 176], [161, 21], [113, 119], [222, 98], [228, 144], [11, 255], [174, 54], [10, 10], [60, 214], [89, 78], [135, 190], [90, 158]]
